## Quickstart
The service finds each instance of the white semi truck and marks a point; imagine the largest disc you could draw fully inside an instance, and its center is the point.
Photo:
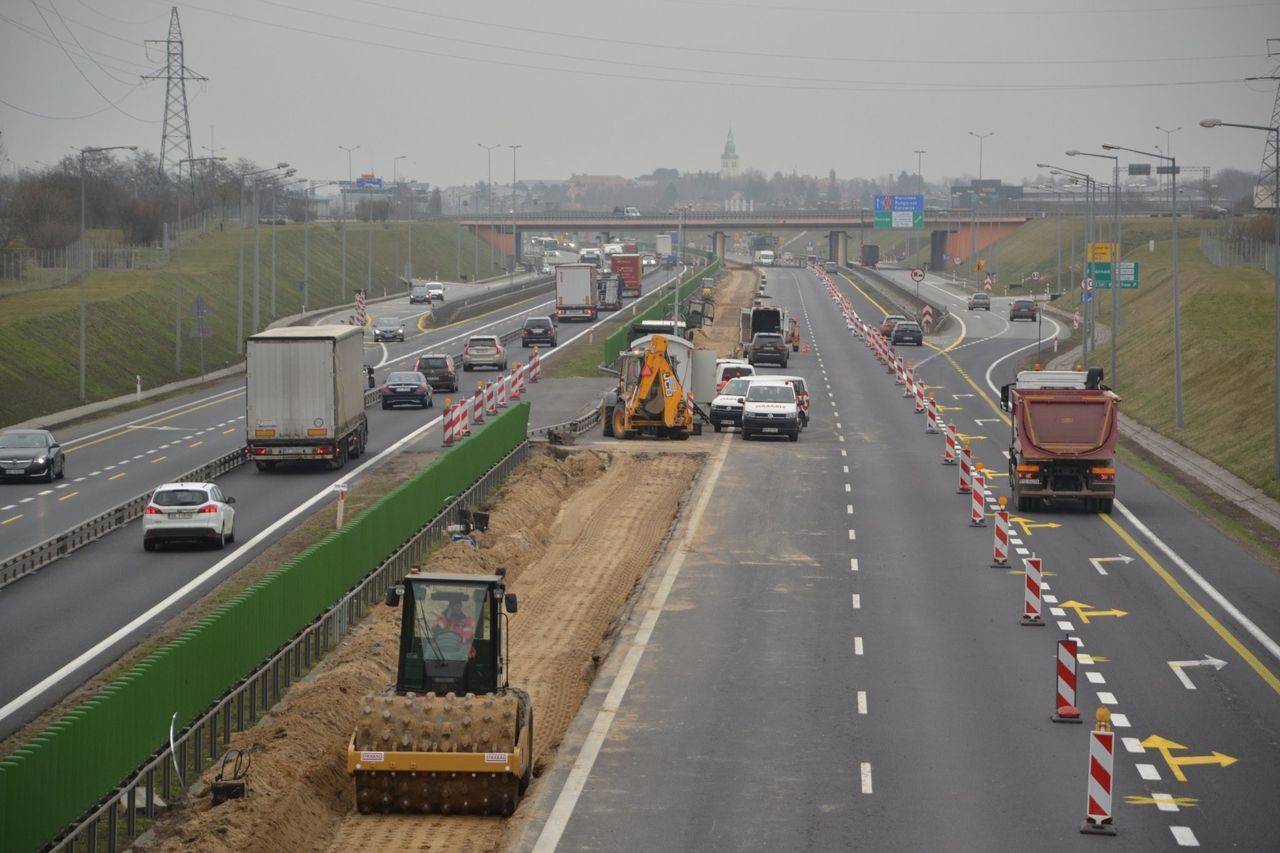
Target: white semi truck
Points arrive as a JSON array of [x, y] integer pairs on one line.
[[304, 393], [576, 295]]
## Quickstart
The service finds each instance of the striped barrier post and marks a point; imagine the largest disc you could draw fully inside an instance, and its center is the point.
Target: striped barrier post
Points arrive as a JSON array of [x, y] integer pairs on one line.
[[1065, 710], [920, 387], [462, 421], [1000, 558], [446, 422], [910, 381], [900, 378], [890, 358], [966, 466], [535, 365], [931, 425], [978, 504], [1031, 602], [503, 380], [477, 404], [1102, 753], [953, 439], [517, 381], [490, 399]]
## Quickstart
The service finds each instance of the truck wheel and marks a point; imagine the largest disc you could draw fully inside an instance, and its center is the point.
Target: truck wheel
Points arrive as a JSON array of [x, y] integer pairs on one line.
[[1022, 504], [1104, 505], [340, 459], [606, 421]]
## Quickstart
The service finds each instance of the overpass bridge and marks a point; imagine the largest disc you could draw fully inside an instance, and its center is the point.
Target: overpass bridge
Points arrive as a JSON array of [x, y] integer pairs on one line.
[[949, 229]]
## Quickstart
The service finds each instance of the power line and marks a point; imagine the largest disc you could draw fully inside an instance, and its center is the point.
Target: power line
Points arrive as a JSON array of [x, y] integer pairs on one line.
[[75, 39], [965, 12], [36, 34], [113, 105], [756, 55], [350, 40]]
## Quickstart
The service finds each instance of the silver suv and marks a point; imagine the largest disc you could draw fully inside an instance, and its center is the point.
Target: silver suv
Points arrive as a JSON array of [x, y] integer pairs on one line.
[[483, 350]]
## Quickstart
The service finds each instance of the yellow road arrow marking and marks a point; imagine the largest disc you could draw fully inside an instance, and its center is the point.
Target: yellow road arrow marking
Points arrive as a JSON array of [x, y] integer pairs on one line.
[[1177, 762], [1020, 572], [966, 437], [1028, 525], [1086, 611]]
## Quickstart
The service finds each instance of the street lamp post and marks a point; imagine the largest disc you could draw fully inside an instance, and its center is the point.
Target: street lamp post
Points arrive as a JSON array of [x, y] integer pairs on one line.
[[1088, 241], [257, 249], [1177, 306], [488, 188], [86, 257], [515, 242], [395, 188], [1115, 260], [919, 152], [1168, 138], [973, 201], [274, 218], [244, 180], [177, 278], [1275, 269], [306, 240], [350, 173]]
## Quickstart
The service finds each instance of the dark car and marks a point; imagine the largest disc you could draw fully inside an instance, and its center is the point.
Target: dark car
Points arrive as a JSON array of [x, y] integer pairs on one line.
[[440, 370], [388, 329], [538, 330], [768, 347], [419, 294], [979, 301], [406, 386], [907, 332], [1024, 309], [31, 454]]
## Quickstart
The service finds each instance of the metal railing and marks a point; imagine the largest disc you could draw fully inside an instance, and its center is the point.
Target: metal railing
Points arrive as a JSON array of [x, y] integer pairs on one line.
[[1225, 249], [82, 534], [583, 423], [201, 744]]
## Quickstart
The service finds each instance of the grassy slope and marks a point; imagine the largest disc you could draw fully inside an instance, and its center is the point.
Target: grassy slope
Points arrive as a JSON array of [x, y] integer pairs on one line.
[[131, 313], [1227, 350]]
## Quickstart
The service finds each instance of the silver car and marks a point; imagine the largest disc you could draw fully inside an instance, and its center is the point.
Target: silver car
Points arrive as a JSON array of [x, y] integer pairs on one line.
[[483, 351]]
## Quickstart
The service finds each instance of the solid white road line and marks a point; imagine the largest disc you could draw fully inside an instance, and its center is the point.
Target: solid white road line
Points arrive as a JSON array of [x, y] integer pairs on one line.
[[565, 803], [1254, 631]]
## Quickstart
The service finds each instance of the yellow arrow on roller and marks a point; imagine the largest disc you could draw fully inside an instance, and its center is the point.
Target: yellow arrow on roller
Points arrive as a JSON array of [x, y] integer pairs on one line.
[[1086, 611], [1176, 763]]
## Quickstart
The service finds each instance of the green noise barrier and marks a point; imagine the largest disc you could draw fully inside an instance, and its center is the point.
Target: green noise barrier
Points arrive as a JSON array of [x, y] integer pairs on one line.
[[617, 342], [68, 768]]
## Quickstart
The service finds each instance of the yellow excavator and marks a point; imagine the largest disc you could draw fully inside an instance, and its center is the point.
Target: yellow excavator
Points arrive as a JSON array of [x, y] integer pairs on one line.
[[652, 392], [450, 737]]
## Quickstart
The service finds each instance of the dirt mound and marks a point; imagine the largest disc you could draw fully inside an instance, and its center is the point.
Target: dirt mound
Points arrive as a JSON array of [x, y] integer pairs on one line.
[[733, 293], [576, 531]]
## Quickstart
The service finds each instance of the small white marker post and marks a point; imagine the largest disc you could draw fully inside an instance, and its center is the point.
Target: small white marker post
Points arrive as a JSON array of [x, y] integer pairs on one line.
[[341, 489]]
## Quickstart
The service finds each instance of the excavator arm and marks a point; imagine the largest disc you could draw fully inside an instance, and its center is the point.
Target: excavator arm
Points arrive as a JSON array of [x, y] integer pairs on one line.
[[657, 402]]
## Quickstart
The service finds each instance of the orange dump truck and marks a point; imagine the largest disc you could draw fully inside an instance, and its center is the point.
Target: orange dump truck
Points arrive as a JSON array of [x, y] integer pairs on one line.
[[1064, 431]]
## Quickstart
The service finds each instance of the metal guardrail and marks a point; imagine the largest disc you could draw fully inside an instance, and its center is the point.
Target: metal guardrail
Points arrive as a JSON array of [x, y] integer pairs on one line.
[[82, 534], [583, 423], [201, 743]]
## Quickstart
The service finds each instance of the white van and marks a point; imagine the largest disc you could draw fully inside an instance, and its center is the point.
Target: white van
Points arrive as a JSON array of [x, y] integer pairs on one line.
[[764, 258]]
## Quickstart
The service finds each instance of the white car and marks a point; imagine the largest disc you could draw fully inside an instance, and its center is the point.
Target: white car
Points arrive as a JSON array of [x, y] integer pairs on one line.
[[770, 409], [435, 291], [188, 512], [726, 408], [731, 368]]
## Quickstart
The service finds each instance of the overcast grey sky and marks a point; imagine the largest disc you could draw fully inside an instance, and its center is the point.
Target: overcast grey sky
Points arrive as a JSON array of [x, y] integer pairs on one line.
[[623, 87]]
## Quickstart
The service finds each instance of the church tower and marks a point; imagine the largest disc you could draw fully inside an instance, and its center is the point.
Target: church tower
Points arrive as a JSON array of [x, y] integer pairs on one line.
[[729, 159]]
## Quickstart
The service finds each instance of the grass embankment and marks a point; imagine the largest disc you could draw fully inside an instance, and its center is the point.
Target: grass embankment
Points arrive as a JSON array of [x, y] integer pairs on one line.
[[131, 313], [1226, 329]]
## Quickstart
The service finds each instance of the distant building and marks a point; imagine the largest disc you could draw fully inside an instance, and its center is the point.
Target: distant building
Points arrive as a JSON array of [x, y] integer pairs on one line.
[[985, 192], [729, 159]]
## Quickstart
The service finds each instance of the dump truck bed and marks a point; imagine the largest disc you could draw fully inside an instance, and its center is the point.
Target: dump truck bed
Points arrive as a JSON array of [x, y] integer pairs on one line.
[[1077, 424]]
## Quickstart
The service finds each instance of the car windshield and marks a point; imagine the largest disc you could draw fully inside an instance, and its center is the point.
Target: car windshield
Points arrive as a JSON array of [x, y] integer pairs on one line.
[[419, 290], [906, 326], [738, 370], [771, 394], [981, 297], [431, 361], [180, 497], [483, 342], [21, 439], [894, 318], [736, 387], [387, 323], [1023, 304], [435, 287], [768, 339], [537, 324], [404, 377]]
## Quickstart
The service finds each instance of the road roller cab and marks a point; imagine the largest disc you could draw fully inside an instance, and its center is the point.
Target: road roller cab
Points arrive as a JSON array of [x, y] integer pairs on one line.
[[450, 736]]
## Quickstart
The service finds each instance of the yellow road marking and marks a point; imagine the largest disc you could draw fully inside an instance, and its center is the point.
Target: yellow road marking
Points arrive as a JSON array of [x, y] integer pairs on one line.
[[117, 476], [1046, 573], [1180, 802], [229, 430], [197, 444], [1086, 612], [1028, 525], [159, 459], [13, 518], [135, 427], [1176, 762], [1249, 657], [68, 495]]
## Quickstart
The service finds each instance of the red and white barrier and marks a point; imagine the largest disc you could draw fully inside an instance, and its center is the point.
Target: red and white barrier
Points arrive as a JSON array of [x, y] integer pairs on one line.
[[517, 381], [966, 469], [1031, 601], [932, 426], [490, 399], [446, 424], [477, 406], [1098, 819], [953, 440], [920, 406], [535, 365], [503, 381], [910, 390], [1064, 707], [1000, 558], [901, 378], [978, 504]]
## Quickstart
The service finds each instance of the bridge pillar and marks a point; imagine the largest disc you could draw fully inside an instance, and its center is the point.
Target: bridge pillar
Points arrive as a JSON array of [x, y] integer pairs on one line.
[[838, 247], [718, 243]]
